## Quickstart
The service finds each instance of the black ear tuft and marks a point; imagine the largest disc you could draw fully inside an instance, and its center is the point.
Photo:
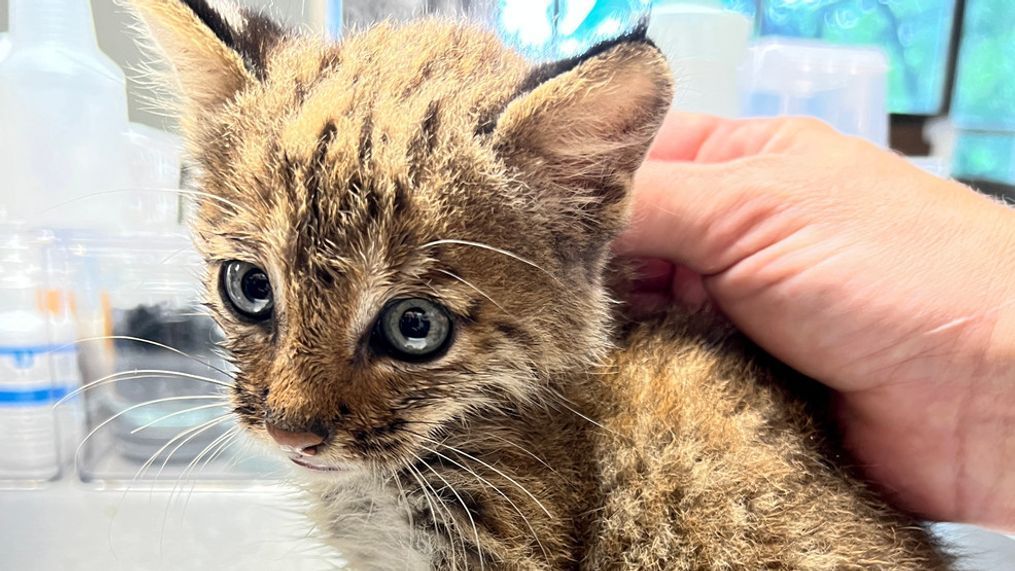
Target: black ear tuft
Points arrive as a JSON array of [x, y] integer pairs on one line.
[[547, 71], [215, 22], [259, 34], [259, 37]]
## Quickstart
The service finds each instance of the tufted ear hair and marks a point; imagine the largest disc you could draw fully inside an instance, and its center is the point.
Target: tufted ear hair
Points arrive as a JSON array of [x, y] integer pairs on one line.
[[213, 56], [579, 128]]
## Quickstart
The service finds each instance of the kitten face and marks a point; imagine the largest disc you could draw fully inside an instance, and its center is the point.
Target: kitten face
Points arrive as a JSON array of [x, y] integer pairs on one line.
[[405, 231]]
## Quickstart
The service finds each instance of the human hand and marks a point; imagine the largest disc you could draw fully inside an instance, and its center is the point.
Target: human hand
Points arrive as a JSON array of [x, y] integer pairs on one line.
[[892, 286]]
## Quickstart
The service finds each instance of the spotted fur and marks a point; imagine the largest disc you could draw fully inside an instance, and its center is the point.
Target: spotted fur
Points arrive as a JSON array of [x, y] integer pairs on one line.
[[427, 160]]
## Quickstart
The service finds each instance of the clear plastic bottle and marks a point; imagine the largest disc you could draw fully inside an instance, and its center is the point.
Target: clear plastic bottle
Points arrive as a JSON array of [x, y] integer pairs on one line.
[[28, 429], [58, 303], [705, 46], [153, 159], [63, 108]]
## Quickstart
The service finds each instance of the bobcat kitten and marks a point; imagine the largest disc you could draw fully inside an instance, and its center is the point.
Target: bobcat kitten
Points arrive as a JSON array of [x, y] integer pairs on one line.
[[407, 241]]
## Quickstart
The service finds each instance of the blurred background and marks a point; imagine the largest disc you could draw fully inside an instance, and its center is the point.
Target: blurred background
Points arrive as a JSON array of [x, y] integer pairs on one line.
[[947, 64], [100, 289]]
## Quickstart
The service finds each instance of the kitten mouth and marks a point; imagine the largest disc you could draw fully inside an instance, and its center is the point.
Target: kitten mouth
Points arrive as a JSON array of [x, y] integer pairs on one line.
[[316, 467]]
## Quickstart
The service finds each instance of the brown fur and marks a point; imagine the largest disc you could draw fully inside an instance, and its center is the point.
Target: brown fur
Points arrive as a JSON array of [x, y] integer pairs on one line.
[[429, 161]]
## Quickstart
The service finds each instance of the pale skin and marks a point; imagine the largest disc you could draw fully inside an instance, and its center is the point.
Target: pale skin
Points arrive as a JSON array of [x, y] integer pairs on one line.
[[892, 286]]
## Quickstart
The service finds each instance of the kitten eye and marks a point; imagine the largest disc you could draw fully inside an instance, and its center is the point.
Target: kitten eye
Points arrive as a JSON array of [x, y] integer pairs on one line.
[[247, 290], [413, 329]]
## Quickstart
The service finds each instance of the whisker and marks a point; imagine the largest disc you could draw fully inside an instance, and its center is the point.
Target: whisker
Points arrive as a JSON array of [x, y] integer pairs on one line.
[[236, 207], [188, 434], [499, 492], [148, 342], [144, 467], [179, 479], [468, 514], [523, 449], [203, 427], [218, 446], [433, 509], [408, 507], [206, 451], [561, 397], [77, 452], [479, 291], [151, 459], [134, 375], [501, 251], [225, 446], [177, 413], [447, 517], [499, 472]]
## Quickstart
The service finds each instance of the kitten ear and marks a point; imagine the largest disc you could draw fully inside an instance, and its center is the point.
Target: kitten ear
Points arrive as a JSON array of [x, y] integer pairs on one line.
[[582, 126], [213, 56]]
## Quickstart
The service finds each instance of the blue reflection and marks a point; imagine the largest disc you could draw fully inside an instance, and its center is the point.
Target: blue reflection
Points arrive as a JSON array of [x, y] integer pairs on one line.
[[553, 29], [985, 156], [746, 7], [985, 80], [915, 34]]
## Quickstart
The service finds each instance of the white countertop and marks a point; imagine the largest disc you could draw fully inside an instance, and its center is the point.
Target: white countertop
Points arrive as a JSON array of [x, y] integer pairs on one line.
[[248, 526], [70, 526]]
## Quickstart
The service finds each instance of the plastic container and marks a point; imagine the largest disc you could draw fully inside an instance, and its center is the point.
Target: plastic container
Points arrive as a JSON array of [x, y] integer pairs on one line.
[[37, 360], [146, 287], [63, 108], [846, 87], [915, 35], [361, 13], [704, 46], [154, 161]]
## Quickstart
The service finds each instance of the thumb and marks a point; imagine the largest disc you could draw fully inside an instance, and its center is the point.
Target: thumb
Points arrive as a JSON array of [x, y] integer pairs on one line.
[[693, 214]]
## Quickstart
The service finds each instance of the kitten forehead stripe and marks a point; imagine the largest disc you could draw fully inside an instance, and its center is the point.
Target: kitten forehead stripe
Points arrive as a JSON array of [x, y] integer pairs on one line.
[[422, 146]]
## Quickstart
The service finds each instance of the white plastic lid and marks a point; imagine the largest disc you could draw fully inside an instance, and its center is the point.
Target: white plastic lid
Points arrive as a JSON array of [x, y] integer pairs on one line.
[[807, 66], [704, 47], [846, 86]]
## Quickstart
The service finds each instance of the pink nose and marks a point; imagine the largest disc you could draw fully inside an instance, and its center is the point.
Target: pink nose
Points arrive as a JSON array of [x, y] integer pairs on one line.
[[302, 442]]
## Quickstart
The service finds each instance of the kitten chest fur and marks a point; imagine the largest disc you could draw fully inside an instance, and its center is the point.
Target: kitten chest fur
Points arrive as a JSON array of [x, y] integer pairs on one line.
[[369, 523]]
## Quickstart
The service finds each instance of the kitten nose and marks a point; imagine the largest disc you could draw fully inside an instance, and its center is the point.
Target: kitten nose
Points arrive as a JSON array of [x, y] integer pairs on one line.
[[300, 442]]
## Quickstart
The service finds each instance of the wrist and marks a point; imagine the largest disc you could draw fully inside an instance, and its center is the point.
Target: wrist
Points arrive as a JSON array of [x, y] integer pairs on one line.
[[986, 476], [1000, 254]]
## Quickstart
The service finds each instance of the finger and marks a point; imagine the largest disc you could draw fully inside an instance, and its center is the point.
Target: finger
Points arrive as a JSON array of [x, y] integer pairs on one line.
[[706, 139], [660, 280], [682, 135], [739, 138], [652, 274], [689, 288], [691, 214]]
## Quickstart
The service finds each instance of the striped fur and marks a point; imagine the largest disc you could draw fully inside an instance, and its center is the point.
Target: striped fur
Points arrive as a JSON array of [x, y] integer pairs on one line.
[[426, 160]]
